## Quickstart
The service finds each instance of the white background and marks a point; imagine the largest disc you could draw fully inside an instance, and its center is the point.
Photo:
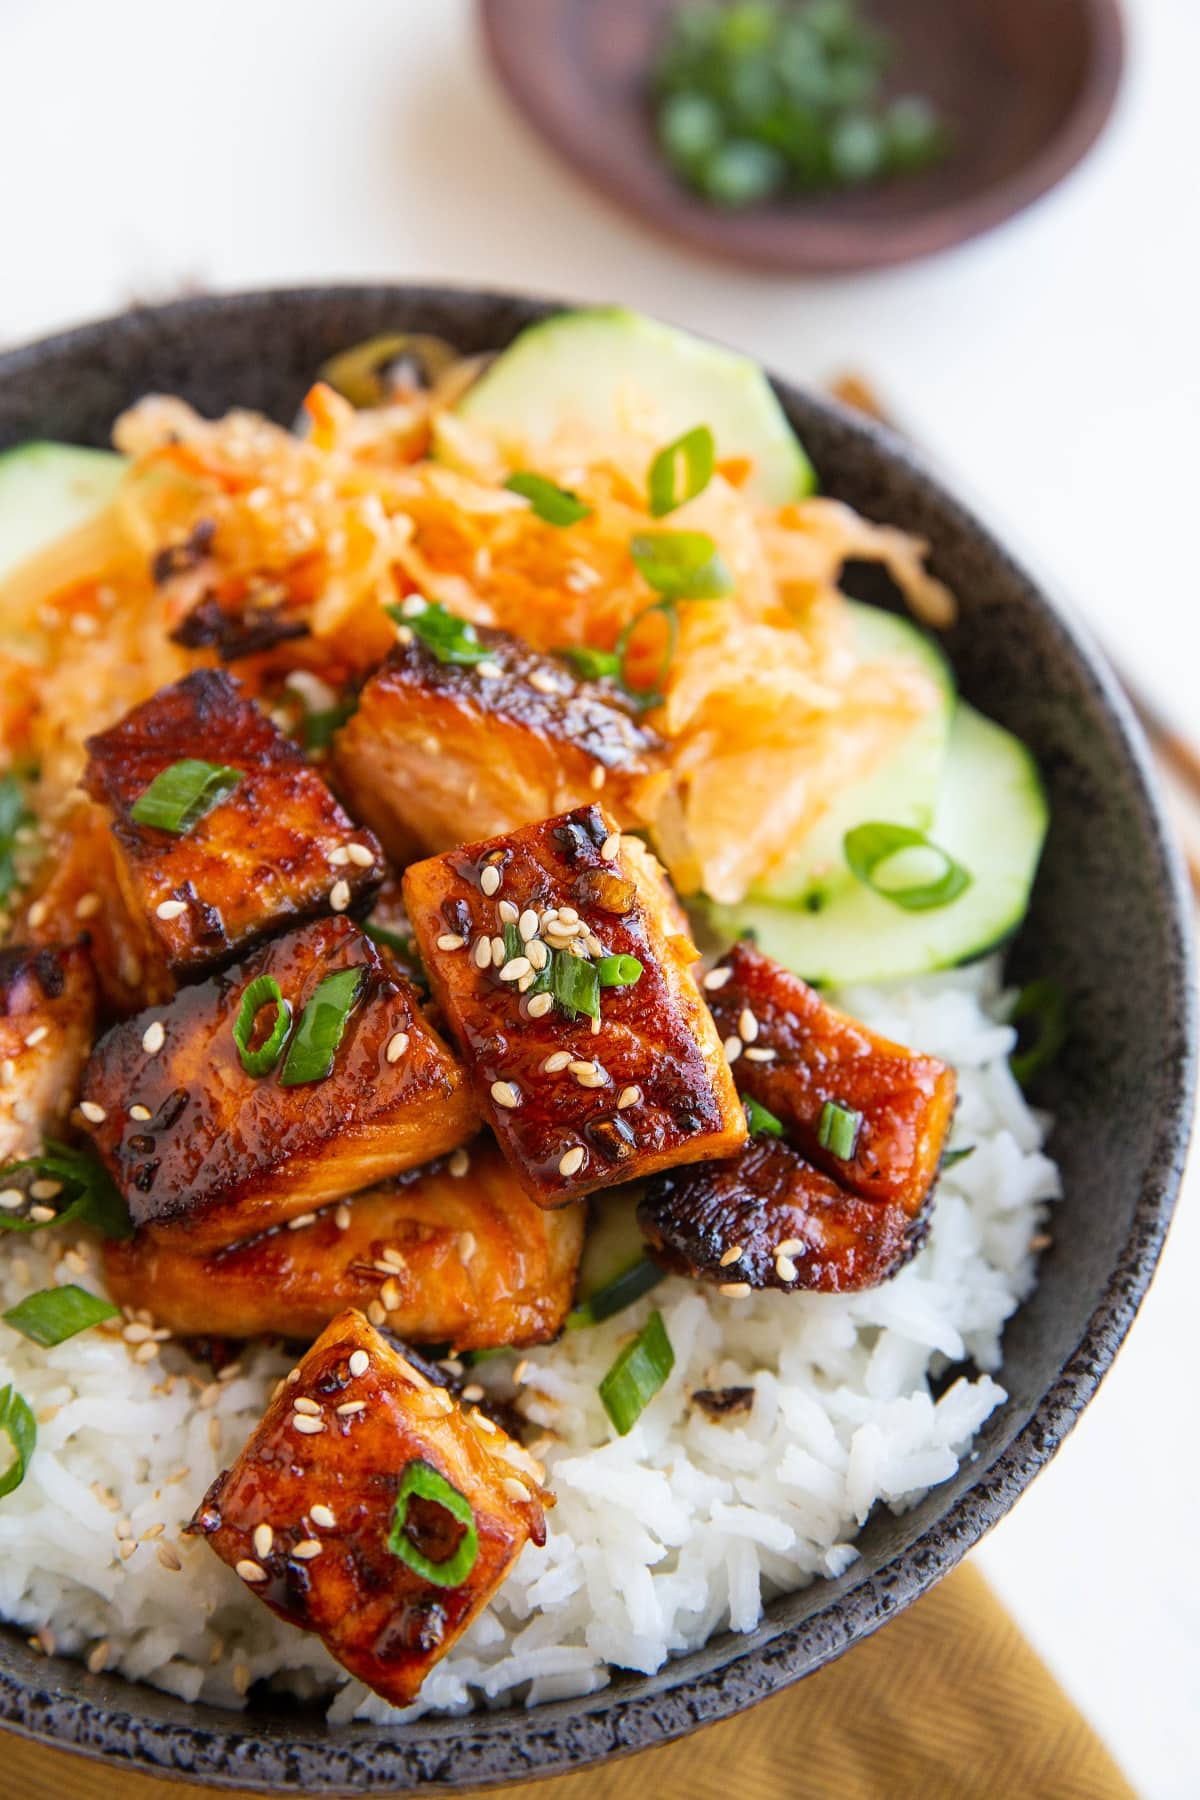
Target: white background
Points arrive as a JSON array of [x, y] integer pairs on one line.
[[1051, 368]]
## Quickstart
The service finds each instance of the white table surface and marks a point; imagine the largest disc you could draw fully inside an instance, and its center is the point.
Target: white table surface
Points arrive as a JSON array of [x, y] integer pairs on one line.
[[1052, 368]]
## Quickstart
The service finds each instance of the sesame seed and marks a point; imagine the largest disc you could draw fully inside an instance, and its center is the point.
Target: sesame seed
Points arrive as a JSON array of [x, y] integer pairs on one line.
[[390, 1294], [264, 1537], [482, 953], [760, 1055], [747, 1025], [509, 914], [360, 1362], [732, 1255], [126, 1550], [450, 940], [514, 970], [23, 1111], [466, 1245], [360, 855], [490, 879], [572, 1160], [240, 1676], [145, 1353], [785, 1268], [789, 1247], [339, 857], [250, 1571], [339, 895], [499, 953], [732, 1048], [301, 1220], [540, 1005], [87, 906], [11, 1198], [306, 1550], [302, 1404], [341, 1217], [579, 1067], [491, 671], [37, 914], [376, 1313], [516, 1490], [351, 1406], [98, 1657], [35, 1037], [397, 1044], [321, 1515], [44, 1190], [136, 1333], [440, 1400], [413, 606], [557, 1061], [306, 1426], [629, 1096], [568, 915], [391, 1258], [537, 953], [734, 1290], [154, 1037], [94, 1114], [169, 1557], [599, 776], [527, 925], [167, 910], [139, 1112], [543, 683], [481, 1422], [42, 1215], [716, 979], [8, 1071], [459, 1163], [610, 848], [506, 1093]]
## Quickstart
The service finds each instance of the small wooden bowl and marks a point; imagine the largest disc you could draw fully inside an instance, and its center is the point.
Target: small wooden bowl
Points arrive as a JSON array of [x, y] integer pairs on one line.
[[1027, 86]]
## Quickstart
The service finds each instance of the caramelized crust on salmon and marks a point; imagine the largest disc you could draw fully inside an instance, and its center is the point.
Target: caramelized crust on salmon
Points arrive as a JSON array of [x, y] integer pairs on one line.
[[815, 1055], [439, 754], [574, 1109], [462, 1258], [790, 1224], [304, 1516], [206, 1154], [274, 851], [47, 1022]]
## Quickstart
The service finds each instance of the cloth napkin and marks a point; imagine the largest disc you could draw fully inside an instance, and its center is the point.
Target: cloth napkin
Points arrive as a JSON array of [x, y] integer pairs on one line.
[[947, 1703]]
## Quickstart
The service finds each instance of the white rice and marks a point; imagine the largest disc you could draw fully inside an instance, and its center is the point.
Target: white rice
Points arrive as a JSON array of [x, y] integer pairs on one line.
[[660, 1539]]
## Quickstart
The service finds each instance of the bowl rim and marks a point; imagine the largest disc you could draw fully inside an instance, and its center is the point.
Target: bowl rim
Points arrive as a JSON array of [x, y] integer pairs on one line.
[[689, 1691]]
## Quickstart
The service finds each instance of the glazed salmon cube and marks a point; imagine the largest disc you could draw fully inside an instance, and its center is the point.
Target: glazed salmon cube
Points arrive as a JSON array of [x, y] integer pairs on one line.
[[47, 1022], [576, 1102], [454, 1254], [795, 1054], [206, 1154], [334, 1512], [275, 849], [439, 754]]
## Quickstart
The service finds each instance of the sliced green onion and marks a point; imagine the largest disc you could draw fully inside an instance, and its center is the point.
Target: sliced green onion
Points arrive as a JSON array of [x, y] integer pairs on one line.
[[575, 984], [514, 943], [318, 727], [391, 940], [618, 971], [427, 1483], [651, 696], [838, 1129], [554, 505], [698, 453], [637, 1375], [1045, 1004], [593, 664], [615, 1295], [685, 565], [263, 991], [761, 1119], [451, 639], [89, 1195], [868, 848], [322, 1025], [20, 1427], [55, 1314], [181, 794], [13, 814], [950, 1157]]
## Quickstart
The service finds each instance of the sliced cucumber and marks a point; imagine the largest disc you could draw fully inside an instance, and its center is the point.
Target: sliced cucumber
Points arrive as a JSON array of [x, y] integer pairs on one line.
[[45, 490], [991, 816], [903, 790], [595, 367], [614, 1242]]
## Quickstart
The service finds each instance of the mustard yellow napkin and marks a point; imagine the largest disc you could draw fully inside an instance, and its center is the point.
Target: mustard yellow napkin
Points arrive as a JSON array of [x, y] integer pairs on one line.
[[948, 1703]]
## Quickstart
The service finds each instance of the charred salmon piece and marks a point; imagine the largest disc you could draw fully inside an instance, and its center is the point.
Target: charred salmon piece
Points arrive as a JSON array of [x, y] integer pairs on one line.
[[576, 1102], [78, 897], [796, 1054], [369, 1508], [768, 1219], [47, 1023], [206, 1154], [276, 849], [439, 754], [455, 1254]]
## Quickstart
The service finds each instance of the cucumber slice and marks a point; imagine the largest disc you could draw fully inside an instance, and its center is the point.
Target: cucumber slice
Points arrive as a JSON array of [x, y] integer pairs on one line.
[[614, 1242], [45, 490], [991, 816], [592, 367], [903, 789]]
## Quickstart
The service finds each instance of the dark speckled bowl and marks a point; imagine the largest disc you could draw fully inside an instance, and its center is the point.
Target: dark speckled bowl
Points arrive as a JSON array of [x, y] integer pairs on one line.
[[1110, 920]]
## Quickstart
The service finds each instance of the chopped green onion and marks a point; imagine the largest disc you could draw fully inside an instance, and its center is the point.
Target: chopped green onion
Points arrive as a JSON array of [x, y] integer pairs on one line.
[[618, 971], [89, 1195], [181, 794], [263, 991], [322, 1025], [593, 664], [637, 1375], [575, 984], [1045, 1004], [451, 639], [55, 1314], [950, 1157], [318, 727], [761, 1118], [651, 696], [838, 1129], [554, 505], [391, 940], [13, 815], [684, 565], [868, 848], [20, 1427], [698, 453], [421, 1480], [615, 1295], [514, 943]]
